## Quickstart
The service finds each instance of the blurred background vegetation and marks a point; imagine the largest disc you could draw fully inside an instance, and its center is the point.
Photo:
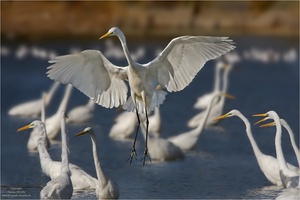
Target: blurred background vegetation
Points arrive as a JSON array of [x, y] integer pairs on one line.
[[66, 19]]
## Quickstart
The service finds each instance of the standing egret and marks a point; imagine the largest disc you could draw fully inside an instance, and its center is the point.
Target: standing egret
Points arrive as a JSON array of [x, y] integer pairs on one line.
[[174, 69], [205, 99], [217, 108], [106, 188], [289, 178], [268, 164], [80, 179], [82, 114], [292, 138], [61, 186], [188, 140], [30, 108], [53, 122]]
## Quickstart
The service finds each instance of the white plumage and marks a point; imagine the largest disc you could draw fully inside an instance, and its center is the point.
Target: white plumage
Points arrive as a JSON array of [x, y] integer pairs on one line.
[[217, 107], [125, 124], [30, 108], [106, 188], [80, 179], [188, 140], [174, 68], [288, 176], [205, 99], [53, 123], [268, 164], [82, 114], [61, 186]]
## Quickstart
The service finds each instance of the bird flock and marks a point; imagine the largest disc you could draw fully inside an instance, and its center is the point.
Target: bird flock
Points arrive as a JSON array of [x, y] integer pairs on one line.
[[148, 84]]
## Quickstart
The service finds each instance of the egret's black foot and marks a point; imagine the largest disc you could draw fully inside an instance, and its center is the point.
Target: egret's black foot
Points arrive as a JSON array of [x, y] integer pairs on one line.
[[132, 154], [145, 156]]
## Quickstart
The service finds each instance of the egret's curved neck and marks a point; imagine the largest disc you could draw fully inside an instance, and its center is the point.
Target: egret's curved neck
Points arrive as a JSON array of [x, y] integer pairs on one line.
[[225, 86], [51, 92], [225, 80], [253, 143], [43, 153], [201, 126], [217, 85], [125, 49], [292, 138], [65, 100], [43, 108], [64, 147], [279, 152], [100, 175]]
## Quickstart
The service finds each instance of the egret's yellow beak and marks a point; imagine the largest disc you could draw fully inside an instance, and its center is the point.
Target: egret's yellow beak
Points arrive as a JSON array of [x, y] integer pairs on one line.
[[81, 133], [105, 35], [222, 117], [24, 128], [228, 96], [260, 115], [226, 66], [268, 124]]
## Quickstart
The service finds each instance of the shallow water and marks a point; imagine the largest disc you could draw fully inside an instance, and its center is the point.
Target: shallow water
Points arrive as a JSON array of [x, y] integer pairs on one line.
[[222, 166]]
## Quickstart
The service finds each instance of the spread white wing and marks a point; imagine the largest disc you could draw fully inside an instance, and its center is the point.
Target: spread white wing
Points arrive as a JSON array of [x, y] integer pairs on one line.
[[91, 73], [177, 65]]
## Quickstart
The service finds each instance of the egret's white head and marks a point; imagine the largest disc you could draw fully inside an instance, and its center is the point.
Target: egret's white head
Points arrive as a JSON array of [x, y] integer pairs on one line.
[[229, 114], [268, 115], [31, 125], [114, 31], [86, 130]]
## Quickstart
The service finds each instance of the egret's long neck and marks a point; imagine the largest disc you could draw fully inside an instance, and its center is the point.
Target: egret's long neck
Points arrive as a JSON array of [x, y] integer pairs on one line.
[[51, 92], [279, 152], [201, 126], [65, 100], [225, 80], [253, 143], [100, 175], [217, 85], [292, 138], [225, 86], [125, 49], [64, 147], [43, 108], [45, 158]]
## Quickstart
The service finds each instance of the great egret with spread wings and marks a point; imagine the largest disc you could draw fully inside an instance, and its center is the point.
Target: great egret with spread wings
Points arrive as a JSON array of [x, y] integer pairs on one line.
[[174, 68]]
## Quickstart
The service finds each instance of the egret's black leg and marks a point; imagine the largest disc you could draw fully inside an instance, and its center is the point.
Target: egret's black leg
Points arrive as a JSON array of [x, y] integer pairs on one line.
[[133, 151], [146, 145]]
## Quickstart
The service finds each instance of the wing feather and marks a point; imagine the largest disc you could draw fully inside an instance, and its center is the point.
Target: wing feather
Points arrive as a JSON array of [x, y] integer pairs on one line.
[[91, 73], [177, 65]]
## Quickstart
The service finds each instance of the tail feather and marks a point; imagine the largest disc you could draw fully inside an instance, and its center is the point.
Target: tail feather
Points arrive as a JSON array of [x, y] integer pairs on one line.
[[158, 98]]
